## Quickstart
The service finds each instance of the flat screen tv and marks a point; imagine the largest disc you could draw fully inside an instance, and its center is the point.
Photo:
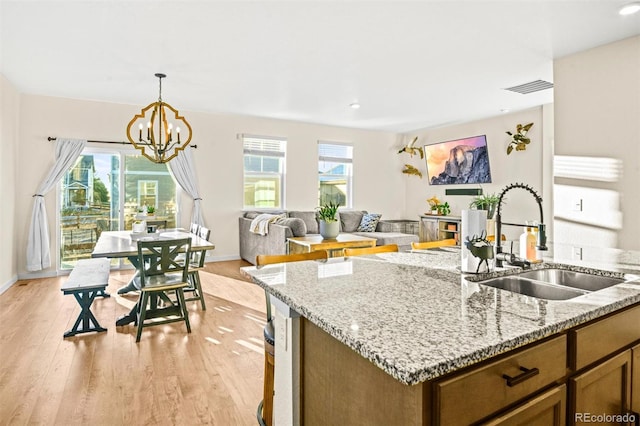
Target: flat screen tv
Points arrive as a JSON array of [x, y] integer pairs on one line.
[[458, 161]]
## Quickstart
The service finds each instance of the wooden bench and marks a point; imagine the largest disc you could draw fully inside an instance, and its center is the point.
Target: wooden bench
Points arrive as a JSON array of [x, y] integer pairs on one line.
[[88, 279]]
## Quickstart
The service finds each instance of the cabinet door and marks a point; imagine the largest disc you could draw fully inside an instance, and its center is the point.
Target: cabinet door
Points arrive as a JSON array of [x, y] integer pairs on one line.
[[429, 229], [546, 409], [602, 390]]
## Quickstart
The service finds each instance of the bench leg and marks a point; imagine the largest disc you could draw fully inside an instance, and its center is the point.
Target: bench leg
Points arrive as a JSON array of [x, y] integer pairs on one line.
[[86, 317]]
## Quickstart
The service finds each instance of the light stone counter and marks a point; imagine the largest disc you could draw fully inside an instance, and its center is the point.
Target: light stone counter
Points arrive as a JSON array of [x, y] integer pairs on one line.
[[417, 318]]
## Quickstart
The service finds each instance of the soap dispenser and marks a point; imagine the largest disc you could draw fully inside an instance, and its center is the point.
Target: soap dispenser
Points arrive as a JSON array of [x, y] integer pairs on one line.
[[528, 244]]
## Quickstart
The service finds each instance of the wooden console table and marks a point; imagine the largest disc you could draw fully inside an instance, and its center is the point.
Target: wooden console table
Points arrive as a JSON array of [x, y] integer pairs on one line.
[[335, 247]]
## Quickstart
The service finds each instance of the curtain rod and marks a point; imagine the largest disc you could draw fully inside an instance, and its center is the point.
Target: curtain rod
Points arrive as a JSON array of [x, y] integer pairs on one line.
[[51, 138]]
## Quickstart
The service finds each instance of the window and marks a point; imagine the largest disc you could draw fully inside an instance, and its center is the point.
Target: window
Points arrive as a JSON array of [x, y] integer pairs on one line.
[[335, 173], [103, 192], [264, 160], [148, 193]]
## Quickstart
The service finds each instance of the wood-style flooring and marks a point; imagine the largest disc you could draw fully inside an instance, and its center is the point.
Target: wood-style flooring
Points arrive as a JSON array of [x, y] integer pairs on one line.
[[211, 376]]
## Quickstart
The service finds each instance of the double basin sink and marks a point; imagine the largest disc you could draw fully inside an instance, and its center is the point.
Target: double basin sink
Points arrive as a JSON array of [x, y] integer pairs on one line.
[[552, 283]]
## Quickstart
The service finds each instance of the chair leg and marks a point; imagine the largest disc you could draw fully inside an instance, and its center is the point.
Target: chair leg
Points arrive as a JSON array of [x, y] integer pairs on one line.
[[198, 286], [144, 298], [183, 308], [267, 407]]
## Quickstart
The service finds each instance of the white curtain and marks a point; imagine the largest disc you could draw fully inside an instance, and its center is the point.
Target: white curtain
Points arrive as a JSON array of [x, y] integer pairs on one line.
[[184, 171], [38, 256]]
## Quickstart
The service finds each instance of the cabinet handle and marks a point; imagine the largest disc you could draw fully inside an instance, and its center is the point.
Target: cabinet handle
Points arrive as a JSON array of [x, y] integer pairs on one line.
[[526, 374]]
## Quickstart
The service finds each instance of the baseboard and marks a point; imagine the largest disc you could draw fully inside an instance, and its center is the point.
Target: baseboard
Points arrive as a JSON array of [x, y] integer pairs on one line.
[[221, 258], [6, 286]]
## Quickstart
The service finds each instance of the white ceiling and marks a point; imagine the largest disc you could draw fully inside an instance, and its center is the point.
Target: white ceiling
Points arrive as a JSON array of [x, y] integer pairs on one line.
[[411, 65]]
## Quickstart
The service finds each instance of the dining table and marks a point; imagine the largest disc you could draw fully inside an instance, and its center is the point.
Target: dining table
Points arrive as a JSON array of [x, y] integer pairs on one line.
[[124, 244]]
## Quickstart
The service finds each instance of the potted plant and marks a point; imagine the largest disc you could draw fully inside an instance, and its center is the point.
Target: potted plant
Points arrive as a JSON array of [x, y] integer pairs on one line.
[[486, 202], [328, 220]]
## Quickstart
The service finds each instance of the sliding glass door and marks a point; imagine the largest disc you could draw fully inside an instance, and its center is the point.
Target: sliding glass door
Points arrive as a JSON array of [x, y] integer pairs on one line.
[[103, 192]]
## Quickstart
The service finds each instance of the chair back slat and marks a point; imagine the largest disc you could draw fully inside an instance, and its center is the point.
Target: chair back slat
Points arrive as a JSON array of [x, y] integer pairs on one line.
[[161, 257], [268, 259], [389, 248], [194, 228], [433, 244]]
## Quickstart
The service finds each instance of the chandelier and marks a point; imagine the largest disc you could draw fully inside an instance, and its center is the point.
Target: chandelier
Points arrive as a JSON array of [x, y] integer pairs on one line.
[[160, 144]]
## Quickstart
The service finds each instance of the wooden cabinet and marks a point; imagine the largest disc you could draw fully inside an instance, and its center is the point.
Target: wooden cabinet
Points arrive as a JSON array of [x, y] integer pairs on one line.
[[547, 409], [603, 359], [433, 228], [602, 390], [488, 389], [591, 370]]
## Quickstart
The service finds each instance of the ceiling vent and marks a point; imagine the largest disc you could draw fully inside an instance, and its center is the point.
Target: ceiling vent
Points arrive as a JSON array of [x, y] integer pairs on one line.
[[533, 86]]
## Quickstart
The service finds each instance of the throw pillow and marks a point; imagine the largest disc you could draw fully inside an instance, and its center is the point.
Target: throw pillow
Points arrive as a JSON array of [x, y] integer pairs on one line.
[[369, 222], [309, 218], [297, 226], [350, 219]]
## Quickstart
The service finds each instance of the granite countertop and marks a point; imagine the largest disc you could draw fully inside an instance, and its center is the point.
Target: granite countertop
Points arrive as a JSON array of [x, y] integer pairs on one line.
[[416, 317]]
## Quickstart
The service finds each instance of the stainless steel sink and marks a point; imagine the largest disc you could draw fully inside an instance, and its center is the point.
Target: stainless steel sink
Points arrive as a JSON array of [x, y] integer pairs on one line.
[[529, 287], [573, 279], [552, 283]]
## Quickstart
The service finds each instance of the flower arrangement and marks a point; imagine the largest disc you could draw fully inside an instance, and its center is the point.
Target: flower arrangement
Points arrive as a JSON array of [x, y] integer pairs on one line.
[[437, 207]]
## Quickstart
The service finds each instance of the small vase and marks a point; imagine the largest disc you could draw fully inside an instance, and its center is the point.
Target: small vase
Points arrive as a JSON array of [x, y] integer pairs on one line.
[[329, 230]]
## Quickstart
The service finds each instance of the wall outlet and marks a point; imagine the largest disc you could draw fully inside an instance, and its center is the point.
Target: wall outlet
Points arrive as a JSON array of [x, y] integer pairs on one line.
[[577, 253], [577, 205]]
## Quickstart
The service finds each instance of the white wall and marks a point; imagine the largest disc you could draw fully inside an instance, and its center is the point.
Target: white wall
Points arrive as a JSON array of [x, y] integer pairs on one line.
[[9, 119], [524, 166], [378, 185], [597, 108]]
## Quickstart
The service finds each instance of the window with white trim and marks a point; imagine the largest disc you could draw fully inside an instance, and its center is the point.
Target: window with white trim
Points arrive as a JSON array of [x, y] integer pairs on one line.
[[335, 173], [264, 171]]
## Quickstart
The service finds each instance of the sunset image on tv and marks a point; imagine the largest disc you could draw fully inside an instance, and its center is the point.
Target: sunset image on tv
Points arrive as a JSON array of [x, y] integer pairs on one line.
[[458, 161]]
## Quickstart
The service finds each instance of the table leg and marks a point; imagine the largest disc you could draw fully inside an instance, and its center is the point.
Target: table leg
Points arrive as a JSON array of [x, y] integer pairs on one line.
[[89, 322], [131, 286]]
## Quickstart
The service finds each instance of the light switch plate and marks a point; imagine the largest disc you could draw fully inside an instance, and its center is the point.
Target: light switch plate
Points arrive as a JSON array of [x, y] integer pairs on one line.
[[577, 253], [577, 205]]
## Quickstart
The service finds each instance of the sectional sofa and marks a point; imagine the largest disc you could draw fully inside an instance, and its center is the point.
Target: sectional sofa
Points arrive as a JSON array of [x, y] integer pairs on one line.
[[301, 223]]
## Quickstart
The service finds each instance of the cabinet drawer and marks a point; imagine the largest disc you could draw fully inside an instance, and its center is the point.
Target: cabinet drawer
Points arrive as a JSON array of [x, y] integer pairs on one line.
[[543, 410], [475, 394], [595, 341]]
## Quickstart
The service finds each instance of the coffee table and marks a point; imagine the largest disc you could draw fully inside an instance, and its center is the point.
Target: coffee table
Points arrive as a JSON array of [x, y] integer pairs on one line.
[[335, 246]]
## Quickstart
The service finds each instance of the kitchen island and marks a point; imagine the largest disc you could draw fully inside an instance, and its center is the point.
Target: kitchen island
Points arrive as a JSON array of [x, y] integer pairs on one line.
[[375, 339]]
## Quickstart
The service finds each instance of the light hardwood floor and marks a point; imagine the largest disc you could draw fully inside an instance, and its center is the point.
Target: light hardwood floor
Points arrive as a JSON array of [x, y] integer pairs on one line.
[[211, 376]]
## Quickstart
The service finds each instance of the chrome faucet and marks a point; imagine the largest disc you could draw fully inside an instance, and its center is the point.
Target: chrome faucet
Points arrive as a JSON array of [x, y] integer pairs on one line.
[[541, 243]]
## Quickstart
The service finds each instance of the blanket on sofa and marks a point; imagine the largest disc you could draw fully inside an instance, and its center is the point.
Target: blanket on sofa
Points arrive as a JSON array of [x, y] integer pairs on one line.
[[260, 224]]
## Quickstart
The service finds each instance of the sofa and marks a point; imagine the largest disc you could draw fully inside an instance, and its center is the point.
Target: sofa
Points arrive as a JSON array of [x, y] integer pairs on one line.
[[289, 224]]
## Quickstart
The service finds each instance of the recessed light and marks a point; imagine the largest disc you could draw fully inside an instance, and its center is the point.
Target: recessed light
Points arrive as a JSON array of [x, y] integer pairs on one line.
[[355, 105], [629, 9]]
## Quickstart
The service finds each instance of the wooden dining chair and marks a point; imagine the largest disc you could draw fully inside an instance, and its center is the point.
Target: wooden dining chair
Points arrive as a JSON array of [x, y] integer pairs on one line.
[[348, 252], [194, 228], [162, 272], [196, 264], [433, 244], [265, 408]]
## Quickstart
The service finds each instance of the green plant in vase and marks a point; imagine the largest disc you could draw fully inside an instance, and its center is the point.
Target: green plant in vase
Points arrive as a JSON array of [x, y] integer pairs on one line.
[[328, 220], [487, 202]]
